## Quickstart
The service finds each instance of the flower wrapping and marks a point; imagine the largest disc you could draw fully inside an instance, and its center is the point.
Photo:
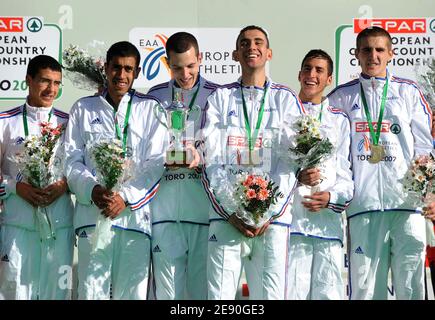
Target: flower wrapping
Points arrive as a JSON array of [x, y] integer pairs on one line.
[[309, 146], [40, 166], [418, 182], [112, 169], [85, 71], [250, 195]]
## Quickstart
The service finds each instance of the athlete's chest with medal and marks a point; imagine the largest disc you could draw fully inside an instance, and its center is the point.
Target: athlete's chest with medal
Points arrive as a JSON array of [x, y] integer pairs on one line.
[[377, 150], [254, 145]]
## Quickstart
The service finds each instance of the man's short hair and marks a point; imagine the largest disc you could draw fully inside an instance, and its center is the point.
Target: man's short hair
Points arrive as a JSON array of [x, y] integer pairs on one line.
[[181, 42], [373, 31], [252, 27], [123, 49], [320, 54], [42, 62]]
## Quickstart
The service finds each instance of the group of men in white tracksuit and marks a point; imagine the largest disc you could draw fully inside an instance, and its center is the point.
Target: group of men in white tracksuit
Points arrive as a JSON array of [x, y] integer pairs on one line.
[[171, 228]]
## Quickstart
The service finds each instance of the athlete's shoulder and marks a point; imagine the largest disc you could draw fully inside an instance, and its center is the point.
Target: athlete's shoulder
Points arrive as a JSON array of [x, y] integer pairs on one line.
[[404, 82], [229, 86], [281, 88], [160, 86], [337, 112], [60, 114], [344, 86], [10, 113], [210, 85]]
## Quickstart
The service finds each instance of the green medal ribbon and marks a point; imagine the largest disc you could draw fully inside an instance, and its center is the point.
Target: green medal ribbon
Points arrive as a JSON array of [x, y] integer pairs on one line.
[[26, 126], [321, 111], [118, 130], [260, 117], [375, 135]]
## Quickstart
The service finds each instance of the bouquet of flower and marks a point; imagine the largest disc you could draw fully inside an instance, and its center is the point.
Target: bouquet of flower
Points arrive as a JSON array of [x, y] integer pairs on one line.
[[250, 195], [38, 167], [309, 148], [418, 182], [85, 71], [256, 194], [111, 170]]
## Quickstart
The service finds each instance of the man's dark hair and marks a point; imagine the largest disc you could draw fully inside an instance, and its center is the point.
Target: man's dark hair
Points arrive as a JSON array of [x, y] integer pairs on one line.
[[181, 42], [252, 27], [123, 49], [320, 54], [373, 32], [42, 62]]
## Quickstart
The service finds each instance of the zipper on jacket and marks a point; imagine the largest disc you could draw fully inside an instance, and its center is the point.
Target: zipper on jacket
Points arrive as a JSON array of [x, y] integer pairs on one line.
[[376, 104]]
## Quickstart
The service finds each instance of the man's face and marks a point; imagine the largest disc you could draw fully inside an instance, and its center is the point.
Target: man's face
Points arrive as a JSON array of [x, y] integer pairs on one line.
[[252, 51], [44, 87], [313, 79], [373, 55], [120, 72], [185, 67]]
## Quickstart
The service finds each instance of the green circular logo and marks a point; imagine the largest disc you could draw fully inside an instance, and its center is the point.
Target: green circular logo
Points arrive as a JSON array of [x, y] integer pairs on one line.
[[432, 25], [395, 128], [34, 25]]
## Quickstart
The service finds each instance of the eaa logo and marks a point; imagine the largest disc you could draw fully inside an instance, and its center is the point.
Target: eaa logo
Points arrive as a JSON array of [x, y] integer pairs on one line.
[[364, 127], [11, 24], [155, 57], [392, 25]]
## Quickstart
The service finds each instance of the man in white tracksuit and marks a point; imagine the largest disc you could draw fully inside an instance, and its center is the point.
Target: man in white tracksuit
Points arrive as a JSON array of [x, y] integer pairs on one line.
[[390, 124], [119, 112], [180, 209], [254, 102], [316, 241], [34, 264]]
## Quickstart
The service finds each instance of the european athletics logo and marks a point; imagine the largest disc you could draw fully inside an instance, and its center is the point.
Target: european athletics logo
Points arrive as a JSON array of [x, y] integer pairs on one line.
[[365, 142], [155, 57], [216, 46]]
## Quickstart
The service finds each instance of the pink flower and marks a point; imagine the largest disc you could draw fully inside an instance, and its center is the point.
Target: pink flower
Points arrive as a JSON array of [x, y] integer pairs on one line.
[[249, 181], [263, 194], [259, 181], [251, 194], [422, 160]]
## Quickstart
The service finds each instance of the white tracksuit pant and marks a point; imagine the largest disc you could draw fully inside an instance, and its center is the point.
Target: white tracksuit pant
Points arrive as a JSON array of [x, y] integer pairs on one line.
[[383, 240], [122, 265], [265, 259]]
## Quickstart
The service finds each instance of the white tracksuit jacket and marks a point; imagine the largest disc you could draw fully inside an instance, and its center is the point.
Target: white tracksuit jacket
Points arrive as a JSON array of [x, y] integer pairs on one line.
[[337, 179], [226, 142], [181, 196], [93, 118], [18, 212], [405, 133]]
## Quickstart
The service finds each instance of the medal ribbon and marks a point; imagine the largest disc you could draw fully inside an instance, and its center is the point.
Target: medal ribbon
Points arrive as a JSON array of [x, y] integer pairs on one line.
[[260, 117], [26, 126], [118, 130], [375, 135], [321, 111]]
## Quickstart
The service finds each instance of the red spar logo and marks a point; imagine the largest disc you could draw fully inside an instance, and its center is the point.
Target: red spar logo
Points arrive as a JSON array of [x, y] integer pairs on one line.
[[364, 127], [11, 24], [391, 25], [237, 141]]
